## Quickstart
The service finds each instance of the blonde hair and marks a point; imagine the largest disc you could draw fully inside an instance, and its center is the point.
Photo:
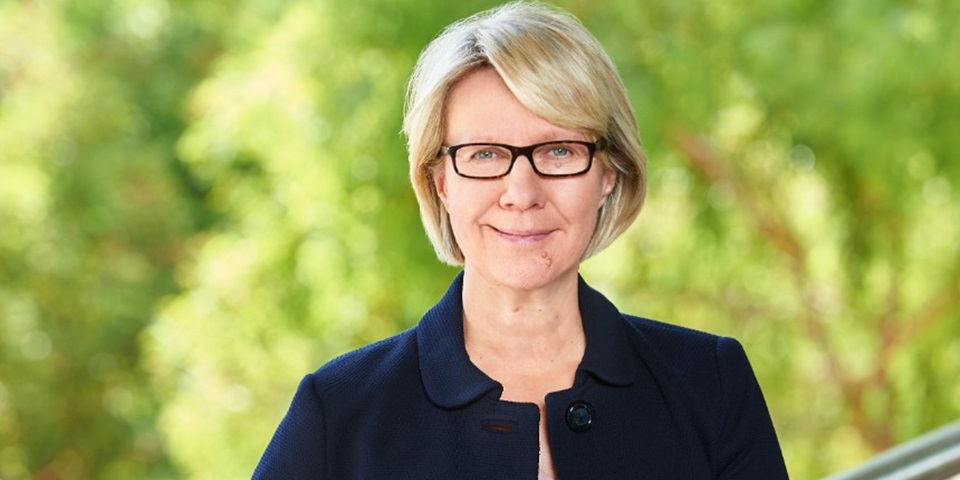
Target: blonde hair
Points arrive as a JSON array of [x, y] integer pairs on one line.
[[558, 71]]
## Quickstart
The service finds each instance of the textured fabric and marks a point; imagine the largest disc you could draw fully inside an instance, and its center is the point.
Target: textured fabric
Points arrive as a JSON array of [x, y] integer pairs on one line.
[[662, 402]]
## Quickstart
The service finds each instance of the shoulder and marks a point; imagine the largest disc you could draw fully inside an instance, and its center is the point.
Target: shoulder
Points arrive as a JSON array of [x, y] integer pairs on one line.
[[331, 399], [713, 392], [369, 368], [679, 348], [665, 349], [715, 396], [670, 334], [710, 361]]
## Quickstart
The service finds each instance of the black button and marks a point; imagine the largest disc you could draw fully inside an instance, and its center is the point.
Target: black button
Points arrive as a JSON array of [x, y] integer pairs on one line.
[[580, 416]]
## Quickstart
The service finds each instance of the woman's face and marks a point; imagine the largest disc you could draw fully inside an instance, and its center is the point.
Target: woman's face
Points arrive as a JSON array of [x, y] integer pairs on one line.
[[521, 230]]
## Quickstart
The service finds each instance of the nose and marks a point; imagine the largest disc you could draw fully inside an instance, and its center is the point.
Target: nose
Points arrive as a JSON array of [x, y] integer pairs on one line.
[[522, 187]]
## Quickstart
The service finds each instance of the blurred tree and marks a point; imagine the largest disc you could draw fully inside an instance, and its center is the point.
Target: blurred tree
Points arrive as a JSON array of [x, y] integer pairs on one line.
[[237, 171], [802, 201], [94, 209]]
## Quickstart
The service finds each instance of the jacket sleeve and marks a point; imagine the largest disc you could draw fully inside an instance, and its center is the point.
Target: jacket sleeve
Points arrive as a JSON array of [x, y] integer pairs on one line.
[[297, 449], [748, 442]]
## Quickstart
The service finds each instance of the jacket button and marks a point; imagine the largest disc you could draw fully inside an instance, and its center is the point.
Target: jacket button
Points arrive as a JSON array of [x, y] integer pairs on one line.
[[580, 416]]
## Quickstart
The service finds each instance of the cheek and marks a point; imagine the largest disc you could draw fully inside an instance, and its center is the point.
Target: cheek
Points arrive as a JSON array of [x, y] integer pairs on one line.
[[461, 201]]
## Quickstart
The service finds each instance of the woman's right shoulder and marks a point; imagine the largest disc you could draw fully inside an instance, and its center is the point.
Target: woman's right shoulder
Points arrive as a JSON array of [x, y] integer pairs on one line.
[[373, 366]]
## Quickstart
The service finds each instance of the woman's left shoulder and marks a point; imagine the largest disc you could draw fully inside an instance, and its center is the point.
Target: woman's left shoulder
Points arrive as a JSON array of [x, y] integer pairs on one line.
[[682, 349], [714, 393]]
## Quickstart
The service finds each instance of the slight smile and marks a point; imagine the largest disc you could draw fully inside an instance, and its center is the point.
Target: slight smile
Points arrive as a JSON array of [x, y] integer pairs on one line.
[[523, 237]]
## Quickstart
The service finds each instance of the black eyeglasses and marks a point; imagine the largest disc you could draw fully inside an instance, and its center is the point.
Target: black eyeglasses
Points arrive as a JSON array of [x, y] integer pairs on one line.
[[561, 158]]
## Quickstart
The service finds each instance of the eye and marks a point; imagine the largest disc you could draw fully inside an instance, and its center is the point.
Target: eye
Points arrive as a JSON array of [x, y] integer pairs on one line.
[[560, 152], [484, 155]]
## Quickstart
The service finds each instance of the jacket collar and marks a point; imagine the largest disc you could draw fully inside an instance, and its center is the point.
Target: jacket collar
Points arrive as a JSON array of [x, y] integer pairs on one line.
[[452, 381]]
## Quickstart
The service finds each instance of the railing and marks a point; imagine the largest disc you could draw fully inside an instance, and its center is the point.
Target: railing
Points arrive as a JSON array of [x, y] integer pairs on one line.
[[932, 456]]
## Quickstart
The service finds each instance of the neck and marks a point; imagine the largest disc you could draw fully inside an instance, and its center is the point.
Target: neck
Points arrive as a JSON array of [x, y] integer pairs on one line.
[[527, 329]]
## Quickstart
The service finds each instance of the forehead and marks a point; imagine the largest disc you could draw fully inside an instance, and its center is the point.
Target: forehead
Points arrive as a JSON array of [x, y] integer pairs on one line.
[[481, 108]]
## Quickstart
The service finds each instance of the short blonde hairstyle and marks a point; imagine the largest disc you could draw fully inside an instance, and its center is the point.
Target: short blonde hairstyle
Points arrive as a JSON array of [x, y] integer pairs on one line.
[[558, 71]]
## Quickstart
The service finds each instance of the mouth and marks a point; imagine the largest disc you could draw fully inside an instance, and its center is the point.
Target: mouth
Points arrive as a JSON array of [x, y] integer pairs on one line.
[[523, 237]]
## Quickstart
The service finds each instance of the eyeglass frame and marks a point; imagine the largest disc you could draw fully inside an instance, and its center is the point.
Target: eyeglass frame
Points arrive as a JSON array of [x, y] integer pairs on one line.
[[527, 151]]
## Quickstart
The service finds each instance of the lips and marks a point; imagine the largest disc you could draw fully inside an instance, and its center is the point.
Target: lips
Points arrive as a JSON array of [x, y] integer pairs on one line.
[[521, 236]]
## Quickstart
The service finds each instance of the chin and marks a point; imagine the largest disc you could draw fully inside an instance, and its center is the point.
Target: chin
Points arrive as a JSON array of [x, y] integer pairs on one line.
[[527, 274]]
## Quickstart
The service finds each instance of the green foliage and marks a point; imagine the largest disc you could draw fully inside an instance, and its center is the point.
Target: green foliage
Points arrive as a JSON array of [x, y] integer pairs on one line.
[[202, 202]]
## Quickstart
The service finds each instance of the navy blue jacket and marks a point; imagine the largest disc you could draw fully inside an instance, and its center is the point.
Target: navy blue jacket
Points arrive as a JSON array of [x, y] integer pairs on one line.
[[649, 401]]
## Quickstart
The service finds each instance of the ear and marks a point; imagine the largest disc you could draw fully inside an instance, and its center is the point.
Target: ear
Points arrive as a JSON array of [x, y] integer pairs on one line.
[[609, 180], [439, 178]]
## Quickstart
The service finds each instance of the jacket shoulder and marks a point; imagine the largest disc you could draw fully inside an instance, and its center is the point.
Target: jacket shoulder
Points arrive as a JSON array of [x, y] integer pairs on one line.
[[331, 397], [371, 367], [702, 362], [680, 349]]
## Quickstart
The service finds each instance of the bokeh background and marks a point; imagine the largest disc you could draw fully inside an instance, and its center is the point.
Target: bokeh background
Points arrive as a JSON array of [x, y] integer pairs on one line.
[[202, 201]]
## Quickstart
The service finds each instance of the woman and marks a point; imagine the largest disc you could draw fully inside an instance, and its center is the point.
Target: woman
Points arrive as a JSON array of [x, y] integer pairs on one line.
[[525, 160]]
